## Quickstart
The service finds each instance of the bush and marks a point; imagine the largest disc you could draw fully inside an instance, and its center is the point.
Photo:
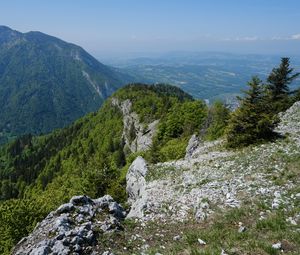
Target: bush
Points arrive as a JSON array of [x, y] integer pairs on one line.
[[217, 119], [173, 149]]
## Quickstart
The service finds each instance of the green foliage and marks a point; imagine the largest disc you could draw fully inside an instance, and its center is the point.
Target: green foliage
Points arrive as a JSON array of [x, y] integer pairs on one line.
[[250, 123], [278, 86], [182, 119], [173, 149], [296, 96], [46, 83], [18, 218], [217, 119], [175, 128], [255, 119], [180, 116], [81, 159], [155, 100], [276, 222]]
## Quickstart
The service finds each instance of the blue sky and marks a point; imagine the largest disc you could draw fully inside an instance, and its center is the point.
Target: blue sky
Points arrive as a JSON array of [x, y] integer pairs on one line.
[[121, 26]]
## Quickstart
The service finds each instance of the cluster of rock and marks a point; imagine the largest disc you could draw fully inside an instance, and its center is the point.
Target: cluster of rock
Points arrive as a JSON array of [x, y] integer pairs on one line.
[[73, 228], [136, 135]]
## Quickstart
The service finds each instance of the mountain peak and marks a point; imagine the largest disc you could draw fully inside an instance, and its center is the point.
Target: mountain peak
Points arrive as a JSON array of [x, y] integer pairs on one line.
[[5, 28], [51, 87], [8, 35]]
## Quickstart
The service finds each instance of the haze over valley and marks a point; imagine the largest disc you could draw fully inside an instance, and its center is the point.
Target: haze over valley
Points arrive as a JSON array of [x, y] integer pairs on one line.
[[205, 75]]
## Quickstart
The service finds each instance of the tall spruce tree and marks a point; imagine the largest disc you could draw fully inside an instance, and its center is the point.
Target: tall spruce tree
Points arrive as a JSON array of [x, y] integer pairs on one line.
[[250, 123], [278, 86]]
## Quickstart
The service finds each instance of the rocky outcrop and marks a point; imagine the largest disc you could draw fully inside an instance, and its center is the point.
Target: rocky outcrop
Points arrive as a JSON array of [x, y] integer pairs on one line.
[[137, 136], [73, 228], [290, 122], [136, 187], [192, 146]]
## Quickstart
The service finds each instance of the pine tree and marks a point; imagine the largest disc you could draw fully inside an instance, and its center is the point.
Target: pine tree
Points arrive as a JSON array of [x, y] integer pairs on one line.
[[278, 86], [250, 123]]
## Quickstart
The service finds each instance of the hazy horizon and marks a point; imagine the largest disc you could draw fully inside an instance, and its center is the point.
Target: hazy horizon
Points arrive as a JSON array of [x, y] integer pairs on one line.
[[115, 28]]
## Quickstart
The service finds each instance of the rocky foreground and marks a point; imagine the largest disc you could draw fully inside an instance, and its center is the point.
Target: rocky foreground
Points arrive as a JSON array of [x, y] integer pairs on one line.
[[74, 227], [211, 202]]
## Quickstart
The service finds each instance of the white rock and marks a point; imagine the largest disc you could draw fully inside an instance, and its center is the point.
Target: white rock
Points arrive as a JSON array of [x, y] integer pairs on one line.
[[277, 194], [292, 221], [176, 238], [242, 229], [65, 208], [192, 146], [277, 246], [136, 187], [200, 241], [142, 139], [65, 232], [275, 205], [223, 252]]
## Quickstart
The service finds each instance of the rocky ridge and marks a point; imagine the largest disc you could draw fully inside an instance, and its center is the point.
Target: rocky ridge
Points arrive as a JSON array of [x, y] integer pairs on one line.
[[137, 136], [210, 177], [73, 228]]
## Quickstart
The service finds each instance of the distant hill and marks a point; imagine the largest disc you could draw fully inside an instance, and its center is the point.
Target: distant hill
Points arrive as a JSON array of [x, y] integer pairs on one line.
[[205, 75], [46, 83]]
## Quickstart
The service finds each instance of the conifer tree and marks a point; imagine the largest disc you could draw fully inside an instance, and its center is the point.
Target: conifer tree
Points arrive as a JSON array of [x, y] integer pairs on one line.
[[250, 123], [278, 86]]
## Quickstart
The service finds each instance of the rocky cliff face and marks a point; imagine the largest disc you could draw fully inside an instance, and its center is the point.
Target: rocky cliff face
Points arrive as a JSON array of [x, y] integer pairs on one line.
[[73, 228], [137, 136]]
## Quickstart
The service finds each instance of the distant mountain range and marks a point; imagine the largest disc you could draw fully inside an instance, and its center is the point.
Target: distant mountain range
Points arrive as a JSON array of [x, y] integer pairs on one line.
[[46, 83]]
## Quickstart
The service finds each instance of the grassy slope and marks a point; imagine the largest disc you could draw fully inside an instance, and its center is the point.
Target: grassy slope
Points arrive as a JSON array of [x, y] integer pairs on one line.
[[264, 168], [220, 230]]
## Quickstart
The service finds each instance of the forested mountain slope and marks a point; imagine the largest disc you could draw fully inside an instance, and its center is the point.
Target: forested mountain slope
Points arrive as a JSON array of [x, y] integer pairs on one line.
[[92, 155], [46, 83]]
